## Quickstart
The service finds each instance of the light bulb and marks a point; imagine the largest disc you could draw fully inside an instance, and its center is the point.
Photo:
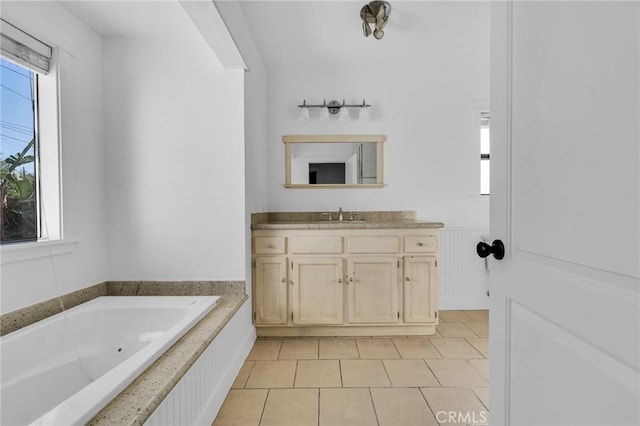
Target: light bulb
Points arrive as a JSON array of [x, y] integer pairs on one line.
[[364, 114]]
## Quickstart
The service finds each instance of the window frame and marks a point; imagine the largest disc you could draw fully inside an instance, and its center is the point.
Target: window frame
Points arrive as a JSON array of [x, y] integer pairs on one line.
[[48, 170]]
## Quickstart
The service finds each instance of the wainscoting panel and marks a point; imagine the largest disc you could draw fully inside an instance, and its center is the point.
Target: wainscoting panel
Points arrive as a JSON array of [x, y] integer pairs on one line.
[[464, 277]]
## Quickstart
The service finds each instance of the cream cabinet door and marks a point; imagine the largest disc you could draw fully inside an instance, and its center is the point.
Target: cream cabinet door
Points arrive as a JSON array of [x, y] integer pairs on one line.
[[317, 290], [420, 288], [270, 295], [372, 288]]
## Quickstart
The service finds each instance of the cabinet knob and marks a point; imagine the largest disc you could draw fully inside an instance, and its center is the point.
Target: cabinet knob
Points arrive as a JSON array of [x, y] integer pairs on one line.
[[350, 279], [421, 244], [339, 280], [408, 279], [284, 280], [270, 245]]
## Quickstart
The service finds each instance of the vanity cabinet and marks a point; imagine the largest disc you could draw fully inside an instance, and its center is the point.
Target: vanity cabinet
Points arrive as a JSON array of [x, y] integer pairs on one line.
[[333, 282], [317, 291], [373, 289], [270, 297]]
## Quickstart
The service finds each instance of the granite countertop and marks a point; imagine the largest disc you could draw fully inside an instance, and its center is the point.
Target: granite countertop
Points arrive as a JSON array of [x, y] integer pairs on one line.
[[320, 220], [137, 402]]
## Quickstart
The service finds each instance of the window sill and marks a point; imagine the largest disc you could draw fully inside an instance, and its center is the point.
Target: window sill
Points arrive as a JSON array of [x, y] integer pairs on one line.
[[21, 252]]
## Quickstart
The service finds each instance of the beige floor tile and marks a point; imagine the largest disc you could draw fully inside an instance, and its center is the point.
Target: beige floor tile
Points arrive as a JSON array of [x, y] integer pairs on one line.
[[377, 349], [272, 374], [407, 373], [483, 395], [482, 365], [363, 373], [478, 315], [480, 328], [456, 372], [318, 374], [294, 407], [299, 349], [416, 347], [401, 406], [243, 375], [454, 316], [338, 349], [265, 349], [242, 407], [454, 329], [455, 347], [461, 401], [346, 407], [481, 344]]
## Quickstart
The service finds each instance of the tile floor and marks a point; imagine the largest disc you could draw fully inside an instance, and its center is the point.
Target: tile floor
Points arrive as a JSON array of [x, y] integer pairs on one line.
[[343, 381]]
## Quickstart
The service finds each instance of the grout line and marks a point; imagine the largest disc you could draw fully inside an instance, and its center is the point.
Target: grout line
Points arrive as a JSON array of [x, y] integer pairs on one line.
[[295, 375], [373, 404], [248, 375], [319, 407], [264, 406], [432, 372], [429, 405], [478, 398], [387, 372]]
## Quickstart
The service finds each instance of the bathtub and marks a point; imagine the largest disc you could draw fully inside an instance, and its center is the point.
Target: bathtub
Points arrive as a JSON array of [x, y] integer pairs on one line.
[[65, 369]]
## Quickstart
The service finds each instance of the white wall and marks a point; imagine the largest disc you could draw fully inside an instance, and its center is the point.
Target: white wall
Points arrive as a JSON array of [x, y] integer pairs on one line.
[[431, 160], [27, 280], [175, 161]]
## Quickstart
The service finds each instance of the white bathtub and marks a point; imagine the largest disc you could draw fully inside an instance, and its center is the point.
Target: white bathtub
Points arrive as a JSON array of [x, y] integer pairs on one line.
[[65, 369]]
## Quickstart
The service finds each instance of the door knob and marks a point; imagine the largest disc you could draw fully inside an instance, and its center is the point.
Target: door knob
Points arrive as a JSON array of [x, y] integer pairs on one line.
[[497, 249]]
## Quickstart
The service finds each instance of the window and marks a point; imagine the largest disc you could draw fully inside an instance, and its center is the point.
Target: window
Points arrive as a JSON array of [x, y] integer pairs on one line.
[[29, 147], [484, 154], [18, 153]]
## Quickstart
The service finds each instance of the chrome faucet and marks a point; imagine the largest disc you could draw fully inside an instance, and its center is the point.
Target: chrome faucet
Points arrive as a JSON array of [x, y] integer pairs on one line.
[[340, 214]]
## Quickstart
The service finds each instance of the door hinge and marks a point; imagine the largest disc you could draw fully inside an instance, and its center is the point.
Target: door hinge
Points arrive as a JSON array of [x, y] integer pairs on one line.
[[398, 314], [254, 264], [292, 316], [398, 263], [436, 314], [292, 265], [254, 316], [436, 263]]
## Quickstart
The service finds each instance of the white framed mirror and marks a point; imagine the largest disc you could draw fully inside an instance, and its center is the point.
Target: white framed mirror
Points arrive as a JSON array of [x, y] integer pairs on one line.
[[334, 161]]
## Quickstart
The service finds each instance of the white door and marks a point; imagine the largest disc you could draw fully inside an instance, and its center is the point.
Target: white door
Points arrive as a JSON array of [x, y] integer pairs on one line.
[[564, 200]]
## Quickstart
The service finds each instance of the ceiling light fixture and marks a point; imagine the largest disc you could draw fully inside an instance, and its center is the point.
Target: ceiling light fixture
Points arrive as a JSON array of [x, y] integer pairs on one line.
[[376, 12]]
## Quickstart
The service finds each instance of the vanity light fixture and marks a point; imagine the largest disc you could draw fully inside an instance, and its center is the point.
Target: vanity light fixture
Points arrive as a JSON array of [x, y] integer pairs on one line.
[[304, 112], [344, 112], [332, 108], [324, 111]]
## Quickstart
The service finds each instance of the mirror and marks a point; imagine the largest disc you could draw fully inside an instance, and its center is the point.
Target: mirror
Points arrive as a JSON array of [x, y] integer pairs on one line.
[[334, 161]]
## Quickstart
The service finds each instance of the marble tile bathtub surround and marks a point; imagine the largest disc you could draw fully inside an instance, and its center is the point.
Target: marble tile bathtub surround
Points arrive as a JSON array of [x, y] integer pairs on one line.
[[175, 288], [17, 319]]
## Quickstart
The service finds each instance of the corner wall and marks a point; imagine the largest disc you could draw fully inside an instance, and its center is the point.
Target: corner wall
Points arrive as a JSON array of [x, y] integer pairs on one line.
[[175, 149]]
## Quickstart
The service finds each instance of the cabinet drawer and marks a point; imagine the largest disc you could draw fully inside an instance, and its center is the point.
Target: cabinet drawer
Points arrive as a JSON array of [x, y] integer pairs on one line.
[[420, 243], [270, 245], [324, 244], [374, 244]]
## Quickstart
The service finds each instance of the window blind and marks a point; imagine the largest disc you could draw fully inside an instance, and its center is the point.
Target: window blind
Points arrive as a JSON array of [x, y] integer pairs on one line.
[[20, 47]]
